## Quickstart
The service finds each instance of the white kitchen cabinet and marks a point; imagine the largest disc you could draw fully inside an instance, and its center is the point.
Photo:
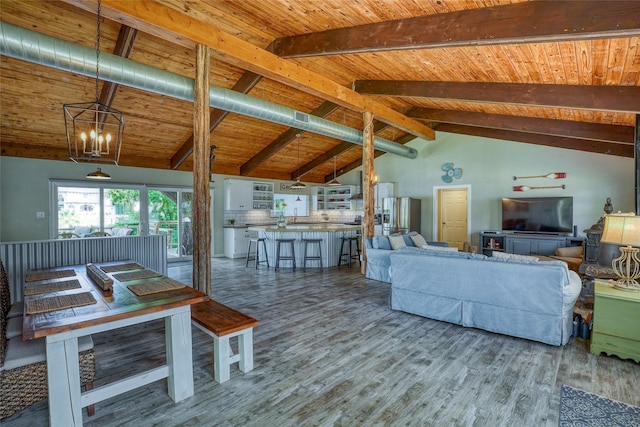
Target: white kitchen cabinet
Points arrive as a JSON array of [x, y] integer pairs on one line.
[[339, 197], [262, 195], [243, 195], [236, 242], [317, 198], [238, 195]]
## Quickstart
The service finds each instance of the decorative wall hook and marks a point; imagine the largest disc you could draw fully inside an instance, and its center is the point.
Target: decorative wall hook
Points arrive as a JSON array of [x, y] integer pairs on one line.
[[552, 175], [527, 188]]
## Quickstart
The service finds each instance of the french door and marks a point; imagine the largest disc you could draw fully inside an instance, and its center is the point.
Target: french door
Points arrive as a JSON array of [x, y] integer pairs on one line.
[[84, 208], [169, 212]]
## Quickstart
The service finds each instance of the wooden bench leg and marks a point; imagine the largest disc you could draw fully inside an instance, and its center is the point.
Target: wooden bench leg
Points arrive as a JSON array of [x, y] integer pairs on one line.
[[245, 348], [221, 356]]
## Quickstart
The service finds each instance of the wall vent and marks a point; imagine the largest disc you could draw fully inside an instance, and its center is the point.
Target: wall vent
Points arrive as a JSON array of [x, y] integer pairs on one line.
[[301, 117]]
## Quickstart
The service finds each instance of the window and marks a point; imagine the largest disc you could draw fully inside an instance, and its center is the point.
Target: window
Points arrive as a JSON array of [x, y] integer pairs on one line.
[[83, 208]]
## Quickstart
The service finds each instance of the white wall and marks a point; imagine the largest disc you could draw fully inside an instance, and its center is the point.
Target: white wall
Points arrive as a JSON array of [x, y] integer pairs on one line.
[[489, 166]]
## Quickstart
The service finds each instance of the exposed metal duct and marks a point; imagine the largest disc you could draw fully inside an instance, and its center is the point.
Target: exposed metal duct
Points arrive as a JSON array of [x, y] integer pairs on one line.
[[28, 45]]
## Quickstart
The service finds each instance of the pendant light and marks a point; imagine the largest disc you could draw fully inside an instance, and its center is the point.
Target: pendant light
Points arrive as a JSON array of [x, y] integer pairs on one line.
[[94, 130], [298, 185], [334, 182], [98, 175]]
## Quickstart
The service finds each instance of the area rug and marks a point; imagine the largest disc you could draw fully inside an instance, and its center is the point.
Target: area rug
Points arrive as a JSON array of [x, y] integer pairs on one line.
[[580, 409]]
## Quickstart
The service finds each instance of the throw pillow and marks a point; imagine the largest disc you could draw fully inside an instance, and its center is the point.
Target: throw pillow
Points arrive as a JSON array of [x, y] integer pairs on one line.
[[407, 240], [396, 241], [418, 240], [381, 242], [515, 257]]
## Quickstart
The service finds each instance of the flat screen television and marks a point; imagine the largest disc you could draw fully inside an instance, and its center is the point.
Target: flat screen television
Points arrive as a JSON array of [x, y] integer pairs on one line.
[[544, 215]]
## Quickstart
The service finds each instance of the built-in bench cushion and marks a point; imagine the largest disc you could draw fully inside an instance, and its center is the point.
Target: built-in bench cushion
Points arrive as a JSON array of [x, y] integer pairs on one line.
[[14, 327], [17, 308], [22, 353]]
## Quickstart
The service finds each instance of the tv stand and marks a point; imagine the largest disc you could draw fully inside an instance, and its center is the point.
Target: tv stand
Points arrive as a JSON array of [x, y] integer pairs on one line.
[[526, 243]]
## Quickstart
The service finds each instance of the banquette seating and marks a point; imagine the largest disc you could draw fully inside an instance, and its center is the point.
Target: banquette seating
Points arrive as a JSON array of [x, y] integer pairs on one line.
[[23, 364]]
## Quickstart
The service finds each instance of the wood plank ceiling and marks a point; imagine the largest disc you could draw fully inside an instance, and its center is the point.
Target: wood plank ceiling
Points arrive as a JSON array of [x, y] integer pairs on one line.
[[560, 73]]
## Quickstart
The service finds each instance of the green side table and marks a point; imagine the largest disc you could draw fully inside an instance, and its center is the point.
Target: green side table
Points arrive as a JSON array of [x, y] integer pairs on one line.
[[616, 322]]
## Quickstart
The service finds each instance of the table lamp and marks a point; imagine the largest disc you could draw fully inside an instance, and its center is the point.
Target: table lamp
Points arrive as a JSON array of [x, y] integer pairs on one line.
[[624, 230]]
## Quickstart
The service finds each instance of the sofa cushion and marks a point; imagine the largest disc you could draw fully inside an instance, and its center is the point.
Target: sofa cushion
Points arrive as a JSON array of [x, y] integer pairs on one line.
[[418, 240], [439, 248], [508, 257], [381, 242], [397, 241]]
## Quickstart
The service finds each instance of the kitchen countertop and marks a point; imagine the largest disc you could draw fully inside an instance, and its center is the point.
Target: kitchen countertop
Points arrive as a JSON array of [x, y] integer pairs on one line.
[[305, 227]]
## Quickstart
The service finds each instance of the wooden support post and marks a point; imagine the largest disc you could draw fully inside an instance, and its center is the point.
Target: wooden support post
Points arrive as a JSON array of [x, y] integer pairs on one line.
[[637, 162], [201, 175], [367, 184]]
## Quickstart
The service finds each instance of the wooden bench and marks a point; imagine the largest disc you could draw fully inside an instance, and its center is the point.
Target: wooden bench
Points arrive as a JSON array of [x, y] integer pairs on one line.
[[223, 323]]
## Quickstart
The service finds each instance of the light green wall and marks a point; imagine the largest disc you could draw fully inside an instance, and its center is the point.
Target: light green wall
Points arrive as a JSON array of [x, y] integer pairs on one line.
[[489, 166]]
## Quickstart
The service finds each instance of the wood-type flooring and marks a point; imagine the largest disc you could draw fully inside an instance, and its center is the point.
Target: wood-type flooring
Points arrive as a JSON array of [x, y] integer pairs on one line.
[[330, 352]]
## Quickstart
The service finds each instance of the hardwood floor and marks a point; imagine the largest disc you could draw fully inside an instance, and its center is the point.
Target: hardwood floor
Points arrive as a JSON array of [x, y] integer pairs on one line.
[[330, 352]]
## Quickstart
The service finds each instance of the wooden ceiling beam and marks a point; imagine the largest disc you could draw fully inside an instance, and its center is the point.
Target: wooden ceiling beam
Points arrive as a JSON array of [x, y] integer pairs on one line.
[[526, 22], [565, 128], [31, 151], [245, 83], [622, 150], [171, 25], [335, 151], [283, 139], [599, 98], [124, 44], [357, 163]]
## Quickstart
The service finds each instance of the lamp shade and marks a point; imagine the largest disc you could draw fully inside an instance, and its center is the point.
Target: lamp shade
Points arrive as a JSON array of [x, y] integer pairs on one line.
[[621, 229]]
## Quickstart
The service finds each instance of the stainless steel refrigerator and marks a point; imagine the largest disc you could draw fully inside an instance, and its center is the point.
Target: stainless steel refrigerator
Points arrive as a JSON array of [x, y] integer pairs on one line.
[[400, 215]]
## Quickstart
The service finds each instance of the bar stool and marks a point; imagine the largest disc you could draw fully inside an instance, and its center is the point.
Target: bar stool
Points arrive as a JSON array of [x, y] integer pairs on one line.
[[307, 257], [348, 240], [256, 256], [291, 257]]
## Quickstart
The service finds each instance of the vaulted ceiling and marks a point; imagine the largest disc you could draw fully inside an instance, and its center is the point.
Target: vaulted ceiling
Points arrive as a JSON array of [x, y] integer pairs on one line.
[[561, 74]]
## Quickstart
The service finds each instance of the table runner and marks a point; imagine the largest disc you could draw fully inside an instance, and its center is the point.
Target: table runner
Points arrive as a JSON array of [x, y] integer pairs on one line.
[[34, 276], [44, 305], [45, 288], [136, 275], [121, 267], [155, 286]]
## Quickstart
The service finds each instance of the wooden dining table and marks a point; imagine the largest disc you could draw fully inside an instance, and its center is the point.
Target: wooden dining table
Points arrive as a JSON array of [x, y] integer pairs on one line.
[[136, 296]]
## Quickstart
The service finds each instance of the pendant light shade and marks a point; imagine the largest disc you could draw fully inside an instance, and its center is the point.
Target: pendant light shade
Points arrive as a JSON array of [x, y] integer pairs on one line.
[[98, 175], [298, 185], [334, 182]]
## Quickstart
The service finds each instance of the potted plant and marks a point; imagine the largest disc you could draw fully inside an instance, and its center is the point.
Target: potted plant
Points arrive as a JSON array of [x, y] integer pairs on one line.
[[232, 221]]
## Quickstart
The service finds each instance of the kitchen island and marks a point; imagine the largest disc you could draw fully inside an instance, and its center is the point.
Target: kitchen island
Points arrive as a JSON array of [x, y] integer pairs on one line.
[[329, 233]]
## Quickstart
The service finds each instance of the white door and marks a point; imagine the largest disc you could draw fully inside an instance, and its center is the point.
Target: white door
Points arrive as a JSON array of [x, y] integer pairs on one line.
[[452, 216]]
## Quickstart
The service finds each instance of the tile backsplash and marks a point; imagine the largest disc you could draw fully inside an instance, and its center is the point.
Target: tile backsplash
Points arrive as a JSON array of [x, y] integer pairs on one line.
[[262, 216]]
